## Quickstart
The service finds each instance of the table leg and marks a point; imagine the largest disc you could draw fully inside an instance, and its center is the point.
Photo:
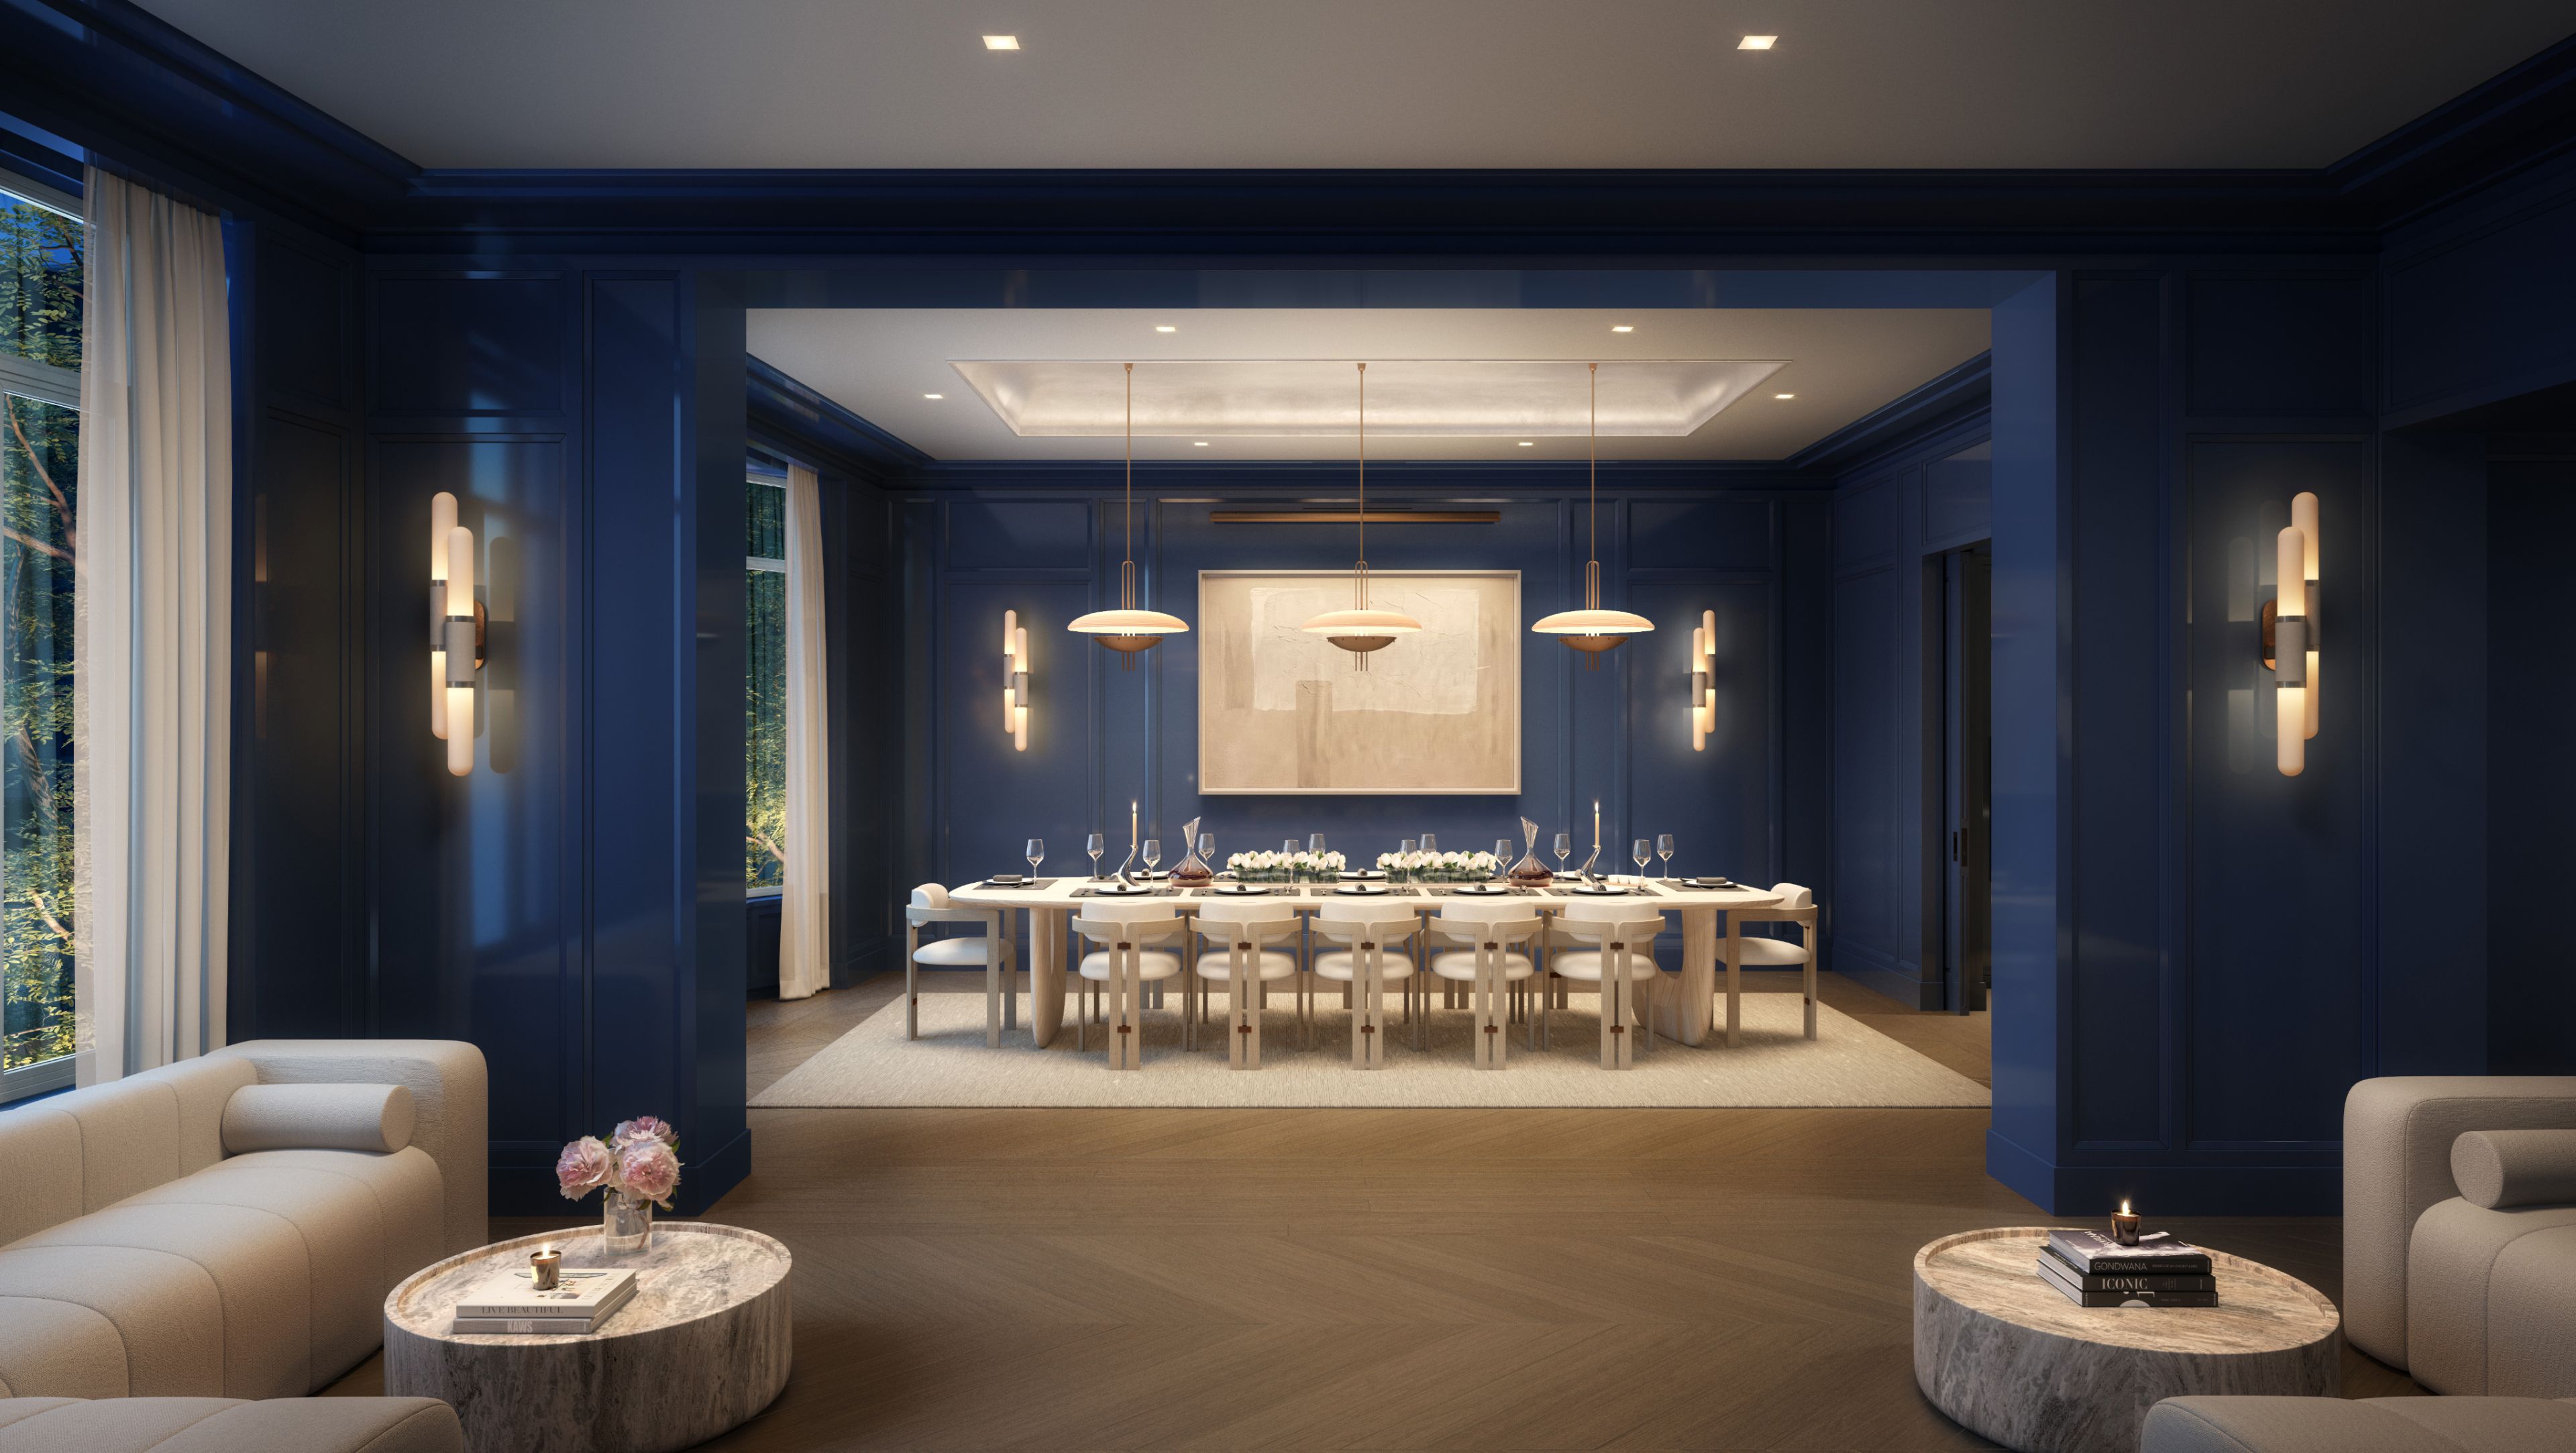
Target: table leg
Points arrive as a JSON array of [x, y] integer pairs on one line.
[[1685, 1016], [1046, 974], [1734, 979]]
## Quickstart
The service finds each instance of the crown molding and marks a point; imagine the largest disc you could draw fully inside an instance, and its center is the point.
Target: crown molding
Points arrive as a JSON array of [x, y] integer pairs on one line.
[[794, 414]]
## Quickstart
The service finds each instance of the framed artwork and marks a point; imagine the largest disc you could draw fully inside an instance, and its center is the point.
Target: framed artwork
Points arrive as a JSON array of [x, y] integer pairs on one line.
[[1284, 712]]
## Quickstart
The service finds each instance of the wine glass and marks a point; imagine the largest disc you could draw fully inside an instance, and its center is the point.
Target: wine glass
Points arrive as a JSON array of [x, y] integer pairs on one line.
[[1095, 845], [1564, 850], [1315, 842], [1153, 852], [1502, 856], [1207, 851], [1641, 850], [1430, 843], [1664, 850], [1404, 852], [1036, 854], [1288, 859]]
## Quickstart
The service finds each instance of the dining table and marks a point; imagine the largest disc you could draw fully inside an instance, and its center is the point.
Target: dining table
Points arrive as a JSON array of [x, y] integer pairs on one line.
[[1050, 903]]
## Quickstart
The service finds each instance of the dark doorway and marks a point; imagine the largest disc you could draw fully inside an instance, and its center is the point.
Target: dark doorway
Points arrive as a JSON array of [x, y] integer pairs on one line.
[[1967, 734]]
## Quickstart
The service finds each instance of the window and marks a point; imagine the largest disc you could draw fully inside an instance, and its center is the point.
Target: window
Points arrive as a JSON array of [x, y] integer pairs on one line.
[[764, 796], [40, 348]]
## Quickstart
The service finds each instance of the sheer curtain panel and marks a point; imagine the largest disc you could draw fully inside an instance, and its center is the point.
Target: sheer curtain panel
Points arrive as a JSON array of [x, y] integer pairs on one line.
[[805, 904], [152, 704]]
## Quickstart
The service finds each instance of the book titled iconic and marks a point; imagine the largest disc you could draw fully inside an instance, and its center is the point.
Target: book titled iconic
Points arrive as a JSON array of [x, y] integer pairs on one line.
[[510, 1304], [2093, 1253]]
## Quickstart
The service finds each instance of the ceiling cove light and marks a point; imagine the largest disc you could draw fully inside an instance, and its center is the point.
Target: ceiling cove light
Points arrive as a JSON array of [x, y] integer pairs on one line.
[[1001, 42], [1361, 630], [1128, 629], [1757, 42], [1593, 630]]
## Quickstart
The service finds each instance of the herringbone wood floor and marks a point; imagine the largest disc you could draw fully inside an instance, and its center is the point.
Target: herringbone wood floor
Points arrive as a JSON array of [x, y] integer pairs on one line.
[[1372, 1279]]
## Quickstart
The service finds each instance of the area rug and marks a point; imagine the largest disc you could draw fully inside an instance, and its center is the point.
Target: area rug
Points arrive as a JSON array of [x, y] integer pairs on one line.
[[1848, 1064]]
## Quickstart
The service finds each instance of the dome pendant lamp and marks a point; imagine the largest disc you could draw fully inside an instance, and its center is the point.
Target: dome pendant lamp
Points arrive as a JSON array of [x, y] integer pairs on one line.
[[1593, 630], [1128, 630], [1361, 630]]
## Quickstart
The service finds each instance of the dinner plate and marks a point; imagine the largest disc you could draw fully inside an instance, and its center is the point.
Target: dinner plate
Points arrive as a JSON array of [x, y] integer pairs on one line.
[[1362, 875], [1241, 890], [1482, 890], [1120, 890], [1013, 880], [1604, 890], [1362, 890], [1709, 883]]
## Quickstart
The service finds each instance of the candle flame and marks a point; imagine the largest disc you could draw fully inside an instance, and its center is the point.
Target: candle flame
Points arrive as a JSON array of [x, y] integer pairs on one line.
[[2124, 1208]]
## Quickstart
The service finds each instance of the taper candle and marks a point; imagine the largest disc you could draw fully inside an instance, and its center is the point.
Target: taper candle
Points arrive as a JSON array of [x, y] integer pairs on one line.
[[1596, 824]]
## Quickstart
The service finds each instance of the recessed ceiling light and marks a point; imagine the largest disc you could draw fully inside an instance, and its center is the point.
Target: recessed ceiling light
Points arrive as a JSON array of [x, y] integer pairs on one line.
[[1757, 42], [1529, 443], [1784, 396], [1198, 443], [934, 396], [1001, 42], [1165, 328], [1623, 327]]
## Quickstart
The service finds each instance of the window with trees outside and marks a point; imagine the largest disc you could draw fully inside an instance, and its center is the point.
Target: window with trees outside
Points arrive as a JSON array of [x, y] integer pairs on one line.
[[764, 796], [40, 359]]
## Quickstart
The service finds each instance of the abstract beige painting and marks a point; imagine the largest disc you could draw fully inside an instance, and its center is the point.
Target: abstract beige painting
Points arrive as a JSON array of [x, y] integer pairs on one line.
[[1281, 711]]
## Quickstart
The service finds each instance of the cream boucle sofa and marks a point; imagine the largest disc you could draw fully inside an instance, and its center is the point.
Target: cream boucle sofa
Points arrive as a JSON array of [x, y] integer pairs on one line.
[[191, 1233]]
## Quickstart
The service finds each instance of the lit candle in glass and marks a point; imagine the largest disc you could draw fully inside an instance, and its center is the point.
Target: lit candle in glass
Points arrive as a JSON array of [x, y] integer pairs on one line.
[[2124, 1225], [545, 1264]]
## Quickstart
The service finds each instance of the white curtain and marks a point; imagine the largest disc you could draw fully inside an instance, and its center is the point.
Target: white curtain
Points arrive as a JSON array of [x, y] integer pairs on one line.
[[152, 641], [805, 907]]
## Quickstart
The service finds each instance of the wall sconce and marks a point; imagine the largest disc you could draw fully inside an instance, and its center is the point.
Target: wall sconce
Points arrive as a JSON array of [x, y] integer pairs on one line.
[[1703, 680], [1015, 680], [2290, 635], [456, 625]]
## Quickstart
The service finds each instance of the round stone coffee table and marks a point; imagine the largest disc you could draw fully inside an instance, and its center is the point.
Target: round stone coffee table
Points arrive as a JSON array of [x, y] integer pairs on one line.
[[702, 1346], [2010, 1357]]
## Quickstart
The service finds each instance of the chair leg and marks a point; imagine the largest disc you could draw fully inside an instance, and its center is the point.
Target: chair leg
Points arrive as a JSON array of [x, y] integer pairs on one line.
[[1126, 1009], [1811, 979], [912, 983]]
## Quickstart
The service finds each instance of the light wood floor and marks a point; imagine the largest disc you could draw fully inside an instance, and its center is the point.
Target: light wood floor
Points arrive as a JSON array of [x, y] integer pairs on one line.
[[1483, 1280]]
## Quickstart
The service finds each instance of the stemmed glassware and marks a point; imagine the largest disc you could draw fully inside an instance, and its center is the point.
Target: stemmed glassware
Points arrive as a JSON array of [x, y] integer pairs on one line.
[[1641, 850], [1207, 850], [1037, 855], [1564, 850], [1430, 843], [1664, 850], [1095, 845], [1502, 857], [1153, 852]]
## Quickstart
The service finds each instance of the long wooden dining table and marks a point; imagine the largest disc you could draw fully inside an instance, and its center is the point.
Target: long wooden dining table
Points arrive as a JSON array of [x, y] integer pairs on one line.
[[1686, 1017]]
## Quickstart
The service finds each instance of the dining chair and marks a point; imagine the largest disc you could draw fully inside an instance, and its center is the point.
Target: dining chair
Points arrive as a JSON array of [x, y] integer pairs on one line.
[[1796, 905], [1125, 964], [1615, 950], [1502, 932], [991, 950], [1248, 966], [1365, 964]]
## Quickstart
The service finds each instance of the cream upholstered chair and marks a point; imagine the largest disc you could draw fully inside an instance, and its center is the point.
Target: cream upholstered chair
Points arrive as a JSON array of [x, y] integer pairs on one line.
[[1125, 963], [1615, 950], [1503, 932], [991, 951], [1797, 905], [1376, 938], [1241, 934]]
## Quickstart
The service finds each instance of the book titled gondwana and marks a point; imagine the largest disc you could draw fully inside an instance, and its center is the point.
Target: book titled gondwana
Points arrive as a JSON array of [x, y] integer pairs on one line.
[[2094, 1254]]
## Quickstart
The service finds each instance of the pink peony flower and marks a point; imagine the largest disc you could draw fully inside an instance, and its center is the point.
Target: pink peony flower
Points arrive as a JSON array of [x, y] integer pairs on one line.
[[648, 1169], [644, 1127], [583, 1167]]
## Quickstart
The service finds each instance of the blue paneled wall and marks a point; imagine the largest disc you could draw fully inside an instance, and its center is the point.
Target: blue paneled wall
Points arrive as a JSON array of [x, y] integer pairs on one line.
[[1101, 737]]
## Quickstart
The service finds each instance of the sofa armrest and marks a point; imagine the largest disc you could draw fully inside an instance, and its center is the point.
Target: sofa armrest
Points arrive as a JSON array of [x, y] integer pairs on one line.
[[451, 1120], [2397, 1135]]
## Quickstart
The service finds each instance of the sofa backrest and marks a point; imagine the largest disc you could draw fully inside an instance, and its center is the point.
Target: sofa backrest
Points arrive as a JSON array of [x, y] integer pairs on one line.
[[71, 1154]]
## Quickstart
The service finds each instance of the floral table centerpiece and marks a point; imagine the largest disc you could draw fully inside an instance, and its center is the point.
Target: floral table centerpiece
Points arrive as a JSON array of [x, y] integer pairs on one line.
[[1420, 867], [1301, 867], [638, 1165]]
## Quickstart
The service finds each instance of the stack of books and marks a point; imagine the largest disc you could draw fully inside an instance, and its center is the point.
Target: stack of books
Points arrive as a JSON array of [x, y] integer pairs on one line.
[[511, 1305], [2160, 1271]]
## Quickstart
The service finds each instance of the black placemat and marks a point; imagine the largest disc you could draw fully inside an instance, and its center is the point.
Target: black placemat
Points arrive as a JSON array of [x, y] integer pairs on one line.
[[1268, 890], [1635, 890], [1452, 892], [1091, 892], [1032, 885], [1327, 891]]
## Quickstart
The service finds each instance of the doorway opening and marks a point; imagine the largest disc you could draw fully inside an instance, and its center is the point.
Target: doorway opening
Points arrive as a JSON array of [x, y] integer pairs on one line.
[[1966, 806]]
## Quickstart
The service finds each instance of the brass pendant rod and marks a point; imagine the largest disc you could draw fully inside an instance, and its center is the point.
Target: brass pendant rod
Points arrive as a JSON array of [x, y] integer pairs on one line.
[[1592, 568]]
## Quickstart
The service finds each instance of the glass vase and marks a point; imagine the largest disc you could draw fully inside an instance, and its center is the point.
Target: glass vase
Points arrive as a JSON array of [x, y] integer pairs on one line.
[[625, 1224]]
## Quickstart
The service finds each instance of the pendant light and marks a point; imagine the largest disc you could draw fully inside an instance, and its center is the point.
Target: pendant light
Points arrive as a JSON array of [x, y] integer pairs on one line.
[[1128, 630], [1593, 630], [1361, 630]]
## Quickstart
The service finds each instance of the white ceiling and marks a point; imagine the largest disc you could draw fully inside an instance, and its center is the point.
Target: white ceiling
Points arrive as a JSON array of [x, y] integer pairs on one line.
[[1374, 83], [1839, 363]]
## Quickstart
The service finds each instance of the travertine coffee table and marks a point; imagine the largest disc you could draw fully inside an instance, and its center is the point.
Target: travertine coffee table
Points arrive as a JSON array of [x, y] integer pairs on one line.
[[703, 1345], [2011, 1358]]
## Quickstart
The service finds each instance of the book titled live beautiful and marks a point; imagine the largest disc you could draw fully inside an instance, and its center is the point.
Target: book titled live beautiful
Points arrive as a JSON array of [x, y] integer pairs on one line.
[[2090, 1253], [510, 1304]]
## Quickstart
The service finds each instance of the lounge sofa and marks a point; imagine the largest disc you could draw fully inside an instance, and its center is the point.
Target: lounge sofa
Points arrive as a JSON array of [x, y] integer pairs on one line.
[[2459, 1266], [226, 1229]]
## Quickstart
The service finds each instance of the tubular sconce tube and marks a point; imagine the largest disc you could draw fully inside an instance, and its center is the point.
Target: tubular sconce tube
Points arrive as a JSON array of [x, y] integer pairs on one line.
[[459, 685], [2303, 518], [1703, 680], [2290, 653], [1015, 680], [442, 518]]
